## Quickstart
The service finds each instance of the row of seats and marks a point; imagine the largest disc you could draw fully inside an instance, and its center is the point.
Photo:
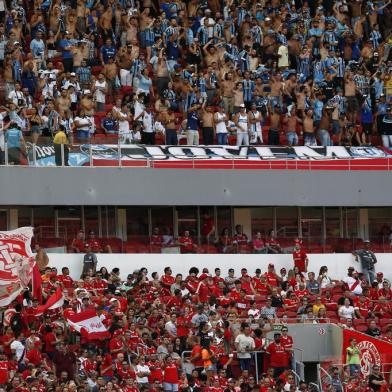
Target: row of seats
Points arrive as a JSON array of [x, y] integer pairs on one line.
[[140, 244]]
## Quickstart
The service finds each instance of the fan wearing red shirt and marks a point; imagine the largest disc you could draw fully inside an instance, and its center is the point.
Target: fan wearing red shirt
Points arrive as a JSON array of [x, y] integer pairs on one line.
[[107, 366], [78, 243], [65, 279], [271, 277], [240, 238], [116, 344], [156, 372], [279, 360], [156, 238], [300, 258], [130, 386], [94, 243], [170, 375], [287, 341], [186, 243], [302, 291], [99, 285], [202, 291], [217, 278], [4, 369], [167, 279], [386, 291], [208, 227]]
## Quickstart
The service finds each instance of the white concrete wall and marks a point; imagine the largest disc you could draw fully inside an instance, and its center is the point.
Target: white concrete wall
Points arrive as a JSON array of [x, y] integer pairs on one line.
[[337, 263]]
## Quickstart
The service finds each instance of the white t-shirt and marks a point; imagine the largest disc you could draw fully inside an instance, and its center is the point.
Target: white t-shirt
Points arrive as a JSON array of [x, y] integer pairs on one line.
[[148, 125], [123, 124], [14, 96], [255, 313], [346, 312], [349, 280], [144, 369], [19, 349], [2, 140], [221, 126], [84, 123], [284, 56], [244, 343], [100, 96]]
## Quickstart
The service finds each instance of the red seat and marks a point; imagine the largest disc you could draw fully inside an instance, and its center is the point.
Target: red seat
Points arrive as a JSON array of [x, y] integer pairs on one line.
[[361, 327], [155, 249]]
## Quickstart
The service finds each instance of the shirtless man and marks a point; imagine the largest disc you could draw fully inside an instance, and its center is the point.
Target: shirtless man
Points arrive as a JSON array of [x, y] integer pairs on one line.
[[86, 103], [276, 91], [273, 133], [351, 99], [105, 22], [210, 54], [227, 96], [325, 122], [292, 120], [290, 87], [162, 79], [309, 137], [63, 102], [131, 28], [124, 62], [207, 123], [168, 119], [110, 72]]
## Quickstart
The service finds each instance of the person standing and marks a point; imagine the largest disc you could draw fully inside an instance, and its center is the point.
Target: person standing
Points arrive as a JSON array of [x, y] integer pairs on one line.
[[193, 125], [244, 344], [241, 122], [279, 359], [353, 356], [90, 261], [367, 259], [14, 140], [300, 257], [61, 142], [220, 119]]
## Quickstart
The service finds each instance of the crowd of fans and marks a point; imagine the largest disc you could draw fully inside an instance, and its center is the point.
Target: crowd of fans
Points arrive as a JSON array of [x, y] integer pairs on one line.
[[245, 72], [195, 333]]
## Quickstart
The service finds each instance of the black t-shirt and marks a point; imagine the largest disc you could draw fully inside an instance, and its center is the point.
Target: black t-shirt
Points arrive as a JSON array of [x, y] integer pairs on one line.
[[377, 378], [373, 332]]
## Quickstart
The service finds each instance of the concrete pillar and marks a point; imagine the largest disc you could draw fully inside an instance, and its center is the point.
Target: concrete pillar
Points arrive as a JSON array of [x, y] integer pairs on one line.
[[363, 223], [243, 217], [121, 227], [13, 219]]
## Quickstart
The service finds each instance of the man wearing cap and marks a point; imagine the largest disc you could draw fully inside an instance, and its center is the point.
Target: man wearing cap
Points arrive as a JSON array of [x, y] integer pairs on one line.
[[242, 125], [367, 259]]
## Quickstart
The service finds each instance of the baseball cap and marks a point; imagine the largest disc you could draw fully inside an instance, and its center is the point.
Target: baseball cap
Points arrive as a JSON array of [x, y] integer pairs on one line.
[[366, 241], [242, 105], [380, 274], [73, 74], [351, 268]]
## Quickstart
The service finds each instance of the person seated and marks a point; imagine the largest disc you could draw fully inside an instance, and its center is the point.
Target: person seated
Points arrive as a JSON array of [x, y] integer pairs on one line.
[[96, 245], [186, 243], [78, 243]]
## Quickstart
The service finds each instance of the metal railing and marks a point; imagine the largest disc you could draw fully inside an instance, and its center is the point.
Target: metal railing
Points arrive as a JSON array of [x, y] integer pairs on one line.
[[115, 156]]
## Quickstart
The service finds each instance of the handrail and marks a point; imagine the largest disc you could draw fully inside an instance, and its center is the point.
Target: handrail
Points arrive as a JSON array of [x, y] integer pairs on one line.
[[224, 161]]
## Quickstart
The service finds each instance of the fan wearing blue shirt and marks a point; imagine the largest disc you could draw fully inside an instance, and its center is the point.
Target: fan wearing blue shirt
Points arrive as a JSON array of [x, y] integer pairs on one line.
[[107, 51], [65, 46]]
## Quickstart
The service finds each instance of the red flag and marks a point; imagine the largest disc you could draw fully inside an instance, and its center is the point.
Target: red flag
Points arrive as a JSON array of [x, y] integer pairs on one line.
[[16, 263], [373, 351], [36, 283], [53, 302], [88, 324]]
